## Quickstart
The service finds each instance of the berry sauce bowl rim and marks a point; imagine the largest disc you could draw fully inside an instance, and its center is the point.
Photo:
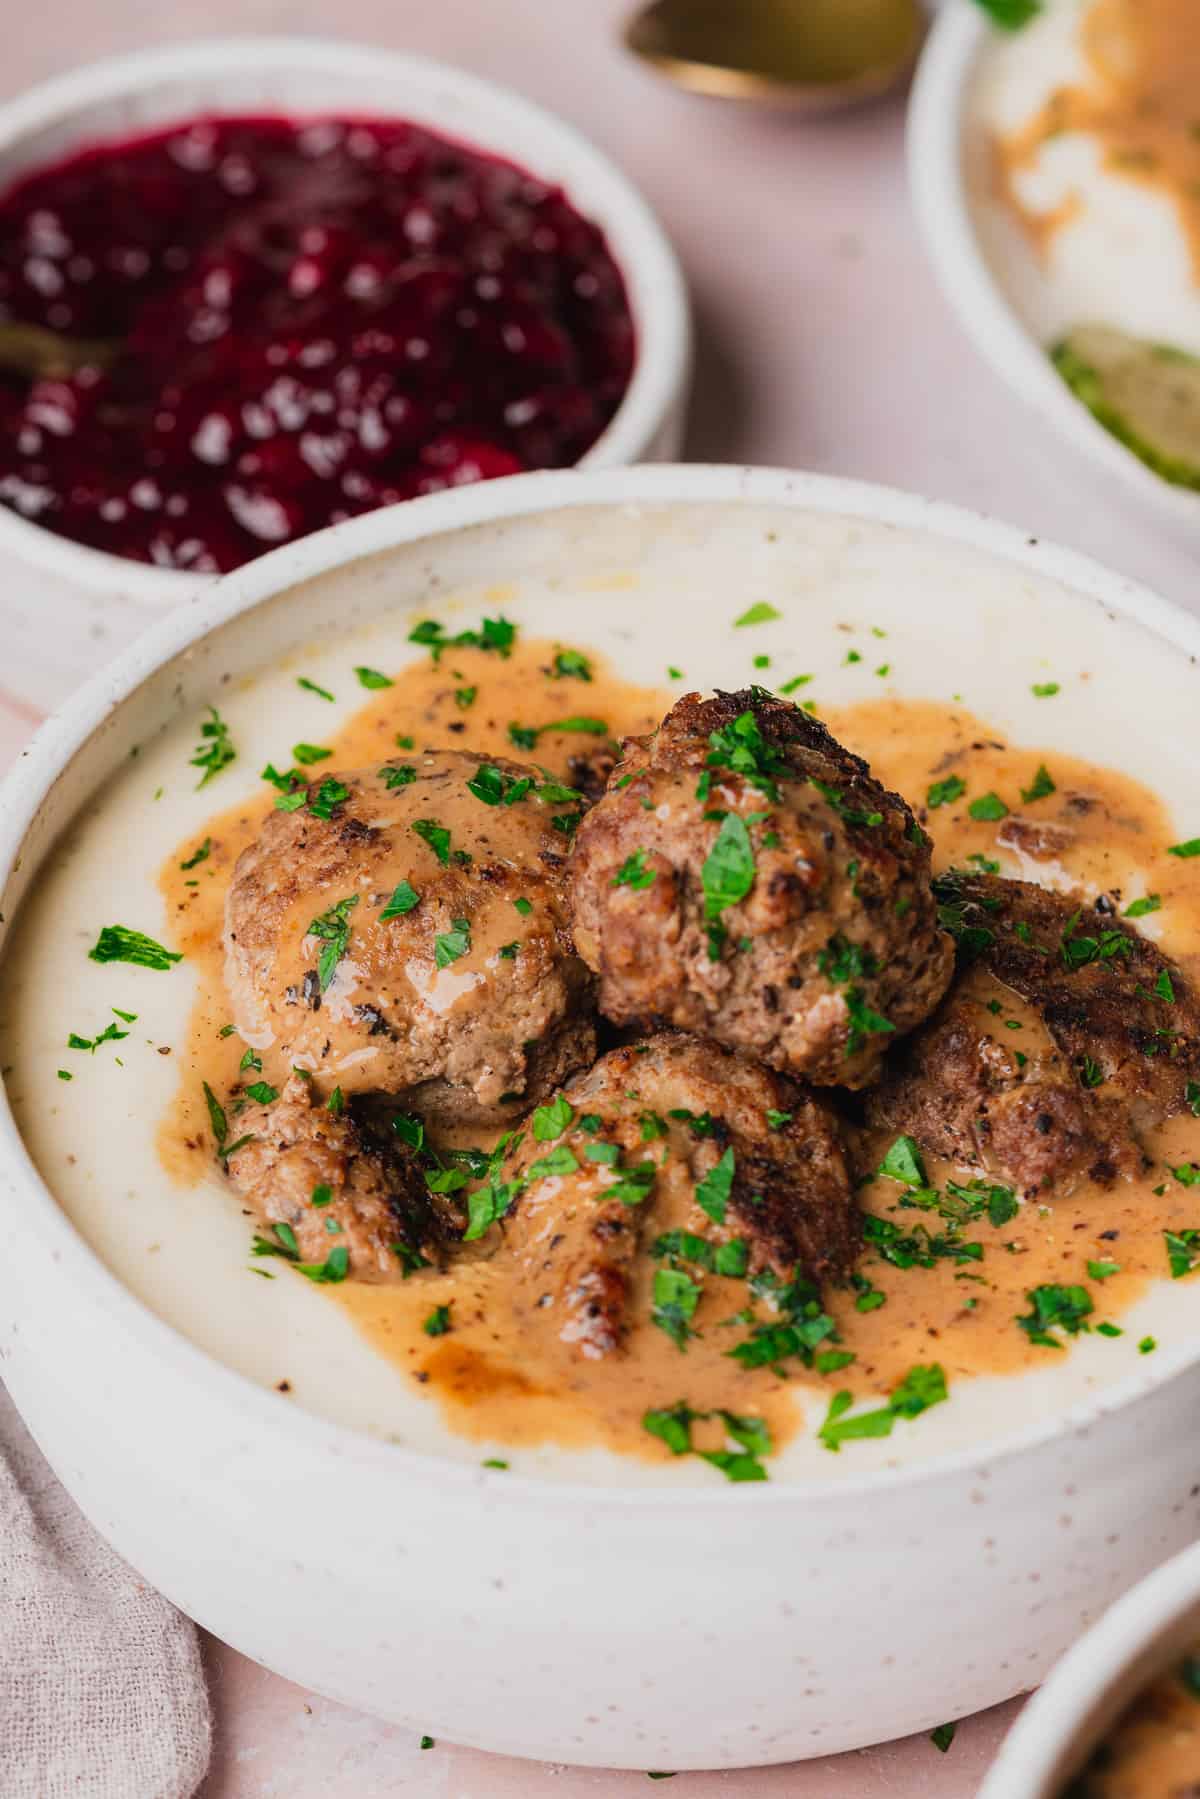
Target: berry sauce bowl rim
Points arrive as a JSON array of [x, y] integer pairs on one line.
[[232, 76]]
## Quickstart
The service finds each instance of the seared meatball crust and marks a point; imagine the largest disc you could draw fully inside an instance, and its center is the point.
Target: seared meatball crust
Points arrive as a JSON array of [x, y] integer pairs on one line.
[[333, 1182], [1114, 1046], [746, 878], [412, 938], [681, 1108]]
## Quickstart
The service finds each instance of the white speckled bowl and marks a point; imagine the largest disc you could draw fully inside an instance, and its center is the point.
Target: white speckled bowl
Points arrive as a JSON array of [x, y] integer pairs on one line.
[[306, 76], [947, 157], [652, 1626], [1142, 1636]]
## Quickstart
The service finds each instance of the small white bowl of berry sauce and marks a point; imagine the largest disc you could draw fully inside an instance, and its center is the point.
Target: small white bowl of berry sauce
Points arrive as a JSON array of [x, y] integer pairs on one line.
[[250, 288]]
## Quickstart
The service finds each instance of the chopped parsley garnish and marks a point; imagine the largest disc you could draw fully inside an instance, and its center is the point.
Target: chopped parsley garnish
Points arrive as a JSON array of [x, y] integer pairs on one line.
[[1091, 1074], [308, 753], [1056, 1308], [523, 906], [321, 1195], [550, 1121], [331, 1272], [1041, 690], [972, 939], [332, 930], [216, 1116], [397, 774], [110, 1034], [941, 793], [852, 815], [556, 1162], [789, 687], [903, 1163], [672, 1425], [1040, 788], [919, 1248], [761, 613], [495, 789], [1010, 15], [371, 678], [728, 872], [777, 1120], [438, 1322], [493, 634], [65, 1075], [634, 873], [1186, 850], [741, 746], [1192, 1097], [1078, 952], [987, 808], [336, 1103], [451, 946], [117, 943], [465, 697], [199, 856], [436, 836], [216, 751], [262, 1093], [1103, 1271], [1138, 908], [633, 1184], [1183, 1251], [572, 663], [404, 898], [712, 1193], [526, 736], [676, 1296], [922, 1387], [328, 797], [322, 693], [942, 1737]]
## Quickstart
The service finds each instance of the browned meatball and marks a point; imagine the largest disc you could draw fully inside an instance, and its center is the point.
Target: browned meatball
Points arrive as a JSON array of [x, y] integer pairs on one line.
[[404, 930], [745, 877], [1066, 1037], [671, 1133], [334, 1185]]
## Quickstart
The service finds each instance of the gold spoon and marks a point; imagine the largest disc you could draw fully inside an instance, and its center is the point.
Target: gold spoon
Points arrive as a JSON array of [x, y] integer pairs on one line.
[[814, 56], [43, 355]]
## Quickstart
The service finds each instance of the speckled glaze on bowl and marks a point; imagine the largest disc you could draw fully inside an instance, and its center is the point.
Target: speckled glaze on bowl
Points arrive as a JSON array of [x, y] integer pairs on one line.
[[643, 1627], [1141, 1637], [140, 92]]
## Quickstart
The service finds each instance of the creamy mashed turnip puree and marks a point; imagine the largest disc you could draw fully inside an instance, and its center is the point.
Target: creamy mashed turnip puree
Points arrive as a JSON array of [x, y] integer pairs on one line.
[[913, 652], [1080, 139]]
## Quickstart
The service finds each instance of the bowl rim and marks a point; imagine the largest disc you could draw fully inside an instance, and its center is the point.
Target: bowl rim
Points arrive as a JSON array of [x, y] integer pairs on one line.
[[937, 117], [645, 255], [66, 732], [1112, 1660]]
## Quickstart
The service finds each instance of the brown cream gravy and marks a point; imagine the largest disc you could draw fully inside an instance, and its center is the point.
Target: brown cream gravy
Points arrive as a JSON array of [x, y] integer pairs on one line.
[[1140, 101], [1098, 829], [1153, 1752]]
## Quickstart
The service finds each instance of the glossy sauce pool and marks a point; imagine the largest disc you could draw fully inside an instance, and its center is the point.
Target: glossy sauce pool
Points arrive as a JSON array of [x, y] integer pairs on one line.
[[360, 1354]]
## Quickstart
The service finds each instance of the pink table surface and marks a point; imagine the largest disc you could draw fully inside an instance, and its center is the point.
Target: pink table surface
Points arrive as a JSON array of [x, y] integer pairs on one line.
[[823, 344]]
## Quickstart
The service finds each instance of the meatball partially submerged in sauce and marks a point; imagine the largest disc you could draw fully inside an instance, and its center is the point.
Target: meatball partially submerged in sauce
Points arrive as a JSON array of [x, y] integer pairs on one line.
[[404, 930], [1066, 1036], [338, 1198], [672, 1134], [744, 876]]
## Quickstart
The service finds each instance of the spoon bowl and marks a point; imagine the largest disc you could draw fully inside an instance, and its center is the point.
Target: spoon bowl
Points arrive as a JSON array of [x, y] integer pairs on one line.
[[808, 56]]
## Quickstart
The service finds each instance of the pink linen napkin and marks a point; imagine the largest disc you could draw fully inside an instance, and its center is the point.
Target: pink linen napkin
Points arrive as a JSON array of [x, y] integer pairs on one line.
[[102, 1694]]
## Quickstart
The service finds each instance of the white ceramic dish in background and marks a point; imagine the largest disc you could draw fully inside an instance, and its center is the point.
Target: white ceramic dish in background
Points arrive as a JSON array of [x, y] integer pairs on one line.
[[153, 88], [1140, 1638], [947, 157], [645, 1626]]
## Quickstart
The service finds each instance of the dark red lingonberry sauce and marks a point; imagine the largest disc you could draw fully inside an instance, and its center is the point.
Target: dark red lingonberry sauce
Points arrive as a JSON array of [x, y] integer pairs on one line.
[[314, 319]]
